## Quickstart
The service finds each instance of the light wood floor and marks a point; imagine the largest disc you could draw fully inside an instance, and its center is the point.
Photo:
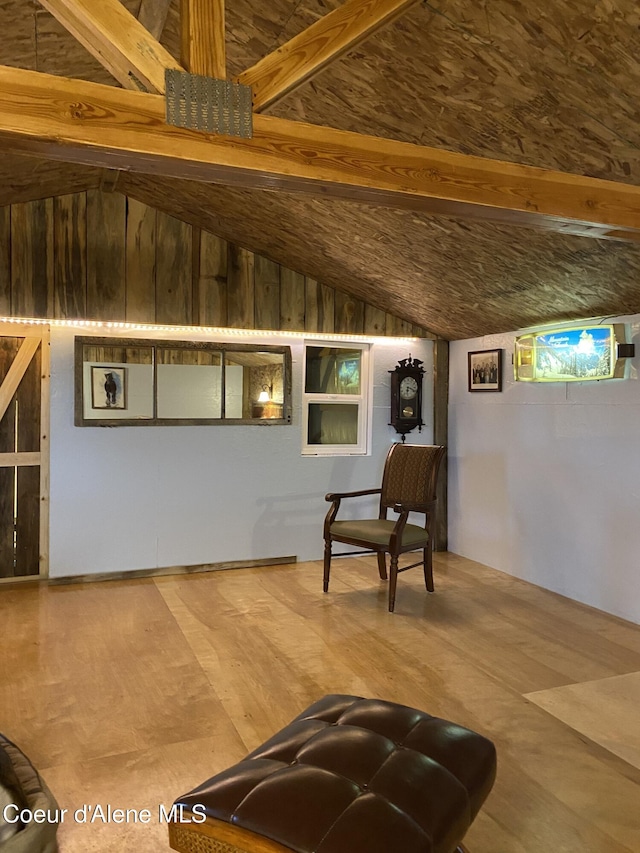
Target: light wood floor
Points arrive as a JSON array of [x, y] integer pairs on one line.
[[129, 693]]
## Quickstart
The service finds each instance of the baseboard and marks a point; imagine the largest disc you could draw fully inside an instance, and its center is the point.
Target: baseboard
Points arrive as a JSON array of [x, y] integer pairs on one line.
[[170, 570]]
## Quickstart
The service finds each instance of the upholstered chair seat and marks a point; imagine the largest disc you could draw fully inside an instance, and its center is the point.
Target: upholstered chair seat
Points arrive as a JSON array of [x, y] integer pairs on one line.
[[378, 531]]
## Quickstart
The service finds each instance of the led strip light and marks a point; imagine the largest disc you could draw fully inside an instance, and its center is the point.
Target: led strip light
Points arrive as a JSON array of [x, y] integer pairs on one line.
[[100, 325]]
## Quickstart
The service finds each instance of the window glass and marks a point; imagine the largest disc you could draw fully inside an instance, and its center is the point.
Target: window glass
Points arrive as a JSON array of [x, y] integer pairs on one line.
[[335, 400], [254, 385], [333, 423], [116, 381], [189, 383], [333, 370]]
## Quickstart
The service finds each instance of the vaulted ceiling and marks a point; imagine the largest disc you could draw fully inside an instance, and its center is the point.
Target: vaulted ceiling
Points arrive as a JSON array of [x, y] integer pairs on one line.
[[405, 215]]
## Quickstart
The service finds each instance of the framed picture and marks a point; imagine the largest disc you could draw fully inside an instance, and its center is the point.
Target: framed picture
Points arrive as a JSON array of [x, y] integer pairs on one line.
[[485, 370], [109, 387]]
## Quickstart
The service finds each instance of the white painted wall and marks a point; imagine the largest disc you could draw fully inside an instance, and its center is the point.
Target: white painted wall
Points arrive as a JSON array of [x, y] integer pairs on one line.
[[544, 479], [127, 498]]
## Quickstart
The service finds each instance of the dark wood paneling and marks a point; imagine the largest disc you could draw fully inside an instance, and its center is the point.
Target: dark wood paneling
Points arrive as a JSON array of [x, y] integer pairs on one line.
[[70, 256], [20, 430], [8, 350], [173, 271], [349, 315], [28, 485], [118, 354], [241, 294], [28, 400], [195, 275], [292, 300], [7, 548], [5, 261], [106, 253], [28, 521], [375, 321], [140, 263], [32, 258], [110, 257], [267, 293], [397, 326], [419, 332], [320, 307], [212, 282]]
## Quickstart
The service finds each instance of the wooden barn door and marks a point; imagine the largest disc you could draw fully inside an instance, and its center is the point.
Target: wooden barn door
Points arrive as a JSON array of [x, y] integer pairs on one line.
[[24, 457]]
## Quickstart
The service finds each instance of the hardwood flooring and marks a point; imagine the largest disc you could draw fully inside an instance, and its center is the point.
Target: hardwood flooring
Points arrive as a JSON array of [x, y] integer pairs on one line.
[[605, 711], [129, 693]]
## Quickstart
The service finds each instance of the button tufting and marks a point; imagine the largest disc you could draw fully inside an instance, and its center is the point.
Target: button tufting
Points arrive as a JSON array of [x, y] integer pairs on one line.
[[432, 787]]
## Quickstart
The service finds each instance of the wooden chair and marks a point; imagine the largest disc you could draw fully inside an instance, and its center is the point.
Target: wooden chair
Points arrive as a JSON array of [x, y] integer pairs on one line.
[[408, 485]]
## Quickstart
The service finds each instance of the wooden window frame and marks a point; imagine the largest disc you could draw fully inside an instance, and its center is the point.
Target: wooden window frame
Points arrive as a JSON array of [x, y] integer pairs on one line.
[[194, 346]]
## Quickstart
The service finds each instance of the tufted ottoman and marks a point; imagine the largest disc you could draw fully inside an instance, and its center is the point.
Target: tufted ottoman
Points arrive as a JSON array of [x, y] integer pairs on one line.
[[348, 775]]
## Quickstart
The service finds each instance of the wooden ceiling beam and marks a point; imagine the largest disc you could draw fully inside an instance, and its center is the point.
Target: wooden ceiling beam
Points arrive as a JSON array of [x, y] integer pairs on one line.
[[316, 47], [82, 122], [153, 16], [202, 25], [116, 39]]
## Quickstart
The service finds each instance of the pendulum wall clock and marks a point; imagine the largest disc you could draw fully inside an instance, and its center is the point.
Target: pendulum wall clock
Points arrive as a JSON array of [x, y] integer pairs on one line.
[[406, 395]]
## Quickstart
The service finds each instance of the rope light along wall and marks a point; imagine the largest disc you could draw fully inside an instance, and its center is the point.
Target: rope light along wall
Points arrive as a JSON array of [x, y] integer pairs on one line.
[[205, 331]]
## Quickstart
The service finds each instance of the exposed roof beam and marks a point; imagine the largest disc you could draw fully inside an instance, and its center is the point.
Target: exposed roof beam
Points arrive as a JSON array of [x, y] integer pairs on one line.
[[82, 122], [153, 16], [203, 37], [314, 48], [116, 39]]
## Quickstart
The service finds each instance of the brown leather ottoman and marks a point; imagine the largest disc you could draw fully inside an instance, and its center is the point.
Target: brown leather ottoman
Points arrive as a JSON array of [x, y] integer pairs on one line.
[[348, 775]]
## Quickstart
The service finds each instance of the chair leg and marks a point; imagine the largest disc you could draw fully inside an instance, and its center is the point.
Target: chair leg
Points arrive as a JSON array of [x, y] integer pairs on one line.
[[393, 578], [382, 565], [327, 564], [428, 568]]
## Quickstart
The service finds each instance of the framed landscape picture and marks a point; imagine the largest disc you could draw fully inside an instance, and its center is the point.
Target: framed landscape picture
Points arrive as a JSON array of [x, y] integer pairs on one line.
[[485, 370]]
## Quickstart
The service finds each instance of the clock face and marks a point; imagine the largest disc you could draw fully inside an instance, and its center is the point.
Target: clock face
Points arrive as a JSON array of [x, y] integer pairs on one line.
[[408, 388]]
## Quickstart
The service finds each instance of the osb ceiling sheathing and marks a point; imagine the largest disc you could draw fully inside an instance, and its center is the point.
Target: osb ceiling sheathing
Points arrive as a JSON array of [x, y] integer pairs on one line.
[[552, 84]]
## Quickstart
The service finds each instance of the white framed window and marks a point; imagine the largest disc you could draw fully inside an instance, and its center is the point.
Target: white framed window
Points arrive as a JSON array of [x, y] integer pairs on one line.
[[336, 395]]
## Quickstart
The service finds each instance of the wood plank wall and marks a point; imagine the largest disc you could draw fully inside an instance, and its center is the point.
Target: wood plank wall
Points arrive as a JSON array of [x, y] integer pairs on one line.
[[103, 256], [20, 485]]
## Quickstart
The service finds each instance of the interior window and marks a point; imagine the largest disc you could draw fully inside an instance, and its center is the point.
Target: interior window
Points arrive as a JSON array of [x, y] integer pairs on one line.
[[336, 395]]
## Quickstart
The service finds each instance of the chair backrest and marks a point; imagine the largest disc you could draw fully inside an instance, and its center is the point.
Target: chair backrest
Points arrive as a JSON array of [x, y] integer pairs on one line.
[[411, 475]]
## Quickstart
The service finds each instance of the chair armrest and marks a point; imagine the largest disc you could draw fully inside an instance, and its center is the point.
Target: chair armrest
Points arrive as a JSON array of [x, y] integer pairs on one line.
[[399, 526], [335, 499], [337, 496], [404, 510]]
